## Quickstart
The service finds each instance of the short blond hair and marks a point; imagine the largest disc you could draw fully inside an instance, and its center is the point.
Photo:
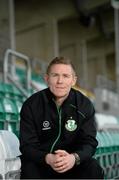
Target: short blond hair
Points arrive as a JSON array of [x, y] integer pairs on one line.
[[60, 60]]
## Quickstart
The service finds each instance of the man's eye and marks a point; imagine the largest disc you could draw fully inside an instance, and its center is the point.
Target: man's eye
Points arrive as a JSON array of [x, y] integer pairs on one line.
[[57, 75], [54, 75], [67, 76]]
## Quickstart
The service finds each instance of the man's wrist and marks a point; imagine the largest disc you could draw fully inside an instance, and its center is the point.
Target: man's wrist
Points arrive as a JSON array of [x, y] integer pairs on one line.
[[77, 158]]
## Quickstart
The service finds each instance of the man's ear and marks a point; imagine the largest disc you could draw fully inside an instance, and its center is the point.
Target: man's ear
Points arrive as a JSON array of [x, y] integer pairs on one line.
[[74, 81], [46, 78]]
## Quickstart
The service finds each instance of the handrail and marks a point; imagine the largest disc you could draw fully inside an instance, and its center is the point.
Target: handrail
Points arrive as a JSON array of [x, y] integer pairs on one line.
[[26, 94], [24, 58]]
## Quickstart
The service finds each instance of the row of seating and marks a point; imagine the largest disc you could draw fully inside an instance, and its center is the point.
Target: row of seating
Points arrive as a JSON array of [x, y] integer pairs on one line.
[[11, 101], [10, 114], [9, 91], [110, 164], [108, 152], [108, 141]]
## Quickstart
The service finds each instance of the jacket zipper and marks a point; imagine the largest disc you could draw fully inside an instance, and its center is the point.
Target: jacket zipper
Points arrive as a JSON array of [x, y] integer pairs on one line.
[[59, 133]]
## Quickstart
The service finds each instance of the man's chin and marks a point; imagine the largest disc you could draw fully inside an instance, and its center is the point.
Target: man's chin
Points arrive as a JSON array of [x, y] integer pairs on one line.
[[60, 95]]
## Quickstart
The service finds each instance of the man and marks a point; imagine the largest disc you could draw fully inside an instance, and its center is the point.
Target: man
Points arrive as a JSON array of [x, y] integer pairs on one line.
[[57, 129]]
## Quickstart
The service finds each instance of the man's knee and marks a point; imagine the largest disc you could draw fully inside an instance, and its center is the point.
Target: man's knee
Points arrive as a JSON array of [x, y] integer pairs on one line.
[[93, 170]]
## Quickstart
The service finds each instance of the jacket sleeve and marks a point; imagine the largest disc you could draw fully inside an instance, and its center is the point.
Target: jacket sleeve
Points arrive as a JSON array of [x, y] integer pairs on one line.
[[88, 134], [29, 141]]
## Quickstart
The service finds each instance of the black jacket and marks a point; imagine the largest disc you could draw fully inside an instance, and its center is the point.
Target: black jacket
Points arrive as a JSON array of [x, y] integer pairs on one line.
[[45, 128]]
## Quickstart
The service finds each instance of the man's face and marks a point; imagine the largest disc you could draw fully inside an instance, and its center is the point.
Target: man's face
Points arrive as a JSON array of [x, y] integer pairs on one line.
[[60, 79]]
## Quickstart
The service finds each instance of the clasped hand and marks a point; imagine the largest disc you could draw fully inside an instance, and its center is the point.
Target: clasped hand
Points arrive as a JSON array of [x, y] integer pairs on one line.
[[61, 161]]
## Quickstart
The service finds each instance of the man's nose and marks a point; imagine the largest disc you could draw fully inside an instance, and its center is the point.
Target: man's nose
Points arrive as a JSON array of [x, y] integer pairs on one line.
[[60, 79]]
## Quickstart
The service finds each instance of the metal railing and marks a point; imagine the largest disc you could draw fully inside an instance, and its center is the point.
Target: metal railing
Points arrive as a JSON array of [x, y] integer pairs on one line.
[[10, 76]]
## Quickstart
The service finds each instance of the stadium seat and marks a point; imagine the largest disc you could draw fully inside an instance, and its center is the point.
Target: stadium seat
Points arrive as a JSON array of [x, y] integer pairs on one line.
[[9, 155], [11, 114], [9, 93], [10, 109], [18, 105], [2, 90], [17, 95], [3, 122]]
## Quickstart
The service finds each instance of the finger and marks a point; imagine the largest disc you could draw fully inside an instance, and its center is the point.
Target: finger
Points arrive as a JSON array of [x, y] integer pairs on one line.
[[61, 169], [61, 152], [59, 159], [59, 163]]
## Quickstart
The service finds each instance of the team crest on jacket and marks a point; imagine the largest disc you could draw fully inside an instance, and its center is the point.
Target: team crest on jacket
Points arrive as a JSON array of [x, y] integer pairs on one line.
[[71, 125]]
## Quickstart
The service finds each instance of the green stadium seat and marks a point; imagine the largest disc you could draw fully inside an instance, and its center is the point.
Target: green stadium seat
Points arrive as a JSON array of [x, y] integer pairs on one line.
[[9, 93], [101, 142], [19, 106], [11, 114], [2, 90], [17, 94], [10, 109], [2, 116]]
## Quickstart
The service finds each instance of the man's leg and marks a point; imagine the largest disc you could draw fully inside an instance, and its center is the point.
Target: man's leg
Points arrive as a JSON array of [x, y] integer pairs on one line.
[[89, 170], [29, 171]]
